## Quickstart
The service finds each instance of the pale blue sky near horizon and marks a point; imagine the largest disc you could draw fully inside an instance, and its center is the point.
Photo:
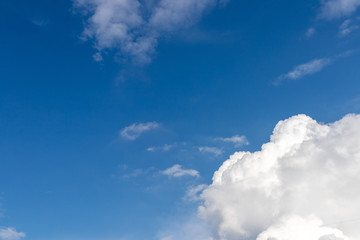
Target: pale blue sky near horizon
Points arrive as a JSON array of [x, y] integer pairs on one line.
[[85, 141]]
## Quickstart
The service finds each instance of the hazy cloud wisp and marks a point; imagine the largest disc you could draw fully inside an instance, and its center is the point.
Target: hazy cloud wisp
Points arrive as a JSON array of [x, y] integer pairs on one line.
[[213, 150], [10, 234], [237, 140], [305, 69], [178, 171], [332, 9], [134, 131]]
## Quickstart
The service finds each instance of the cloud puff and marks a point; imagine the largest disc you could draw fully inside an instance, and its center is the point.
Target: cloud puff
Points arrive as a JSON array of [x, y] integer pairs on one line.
[[178, 171], [213, 150], [237, 140], [10, 234], [305, 69], [134, 131], [332, 9], [303, 184], [133, 27]]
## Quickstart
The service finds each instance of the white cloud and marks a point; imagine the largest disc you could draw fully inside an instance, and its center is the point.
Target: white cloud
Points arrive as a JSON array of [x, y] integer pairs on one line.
[[10, 234], [305, 69], [178, 171], [237, 140], [332, 9], [134, 131], [346, 28], [213, 150], [133, 27], [303, 184]]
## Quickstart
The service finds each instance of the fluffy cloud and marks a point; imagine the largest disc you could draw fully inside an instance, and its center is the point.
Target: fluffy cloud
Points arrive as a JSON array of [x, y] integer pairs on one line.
[[133, 27], [305, 69], [237, 140], [10, 234], [178, 171], [134, 131], [303, 184], [332, 9]]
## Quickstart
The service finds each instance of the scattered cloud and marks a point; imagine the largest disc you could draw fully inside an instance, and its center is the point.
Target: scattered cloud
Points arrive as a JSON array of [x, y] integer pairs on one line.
[[332, 9], [134, 131], [346, 28], [303, 184], [309, 68], [213, 150], [10, 234], [178, 171], [310, 32], [133, 27], [237, 140], [193, 193], [40, 22], [124, 172], [164, 148]]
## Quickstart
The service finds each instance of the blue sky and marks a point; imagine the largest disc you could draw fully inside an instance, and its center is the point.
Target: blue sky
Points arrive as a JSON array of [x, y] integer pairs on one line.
[[111, 110]]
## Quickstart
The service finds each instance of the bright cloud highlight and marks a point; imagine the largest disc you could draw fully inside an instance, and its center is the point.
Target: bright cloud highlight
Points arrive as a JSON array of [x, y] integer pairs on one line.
[[303, 184]]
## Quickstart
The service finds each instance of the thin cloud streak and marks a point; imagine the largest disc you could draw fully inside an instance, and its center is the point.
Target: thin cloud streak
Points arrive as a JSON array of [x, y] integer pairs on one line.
[[213, 150], [135, 130], [237, 140], [305, 69], [178, 171]]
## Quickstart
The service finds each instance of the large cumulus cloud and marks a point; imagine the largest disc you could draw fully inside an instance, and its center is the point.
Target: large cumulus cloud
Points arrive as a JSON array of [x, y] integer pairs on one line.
[[303, 185]]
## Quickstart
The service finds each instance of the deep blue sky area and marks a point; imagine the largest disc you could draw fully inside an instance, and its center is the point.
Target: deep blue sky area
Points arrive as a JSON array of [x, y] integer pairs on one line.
[[68, 172]]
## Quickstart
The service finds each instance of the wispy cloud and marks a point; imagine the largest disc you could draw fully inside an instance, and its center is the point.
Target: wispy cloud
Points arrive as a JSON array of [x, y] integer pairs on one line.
[[134, 131], [305, 69], [10, 234], [40, 22], [133, 27], [332, 9], [178, 171], [193, 193], [164, 148], [346, 28], [213, 150], [237, 140], [310, 32]]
